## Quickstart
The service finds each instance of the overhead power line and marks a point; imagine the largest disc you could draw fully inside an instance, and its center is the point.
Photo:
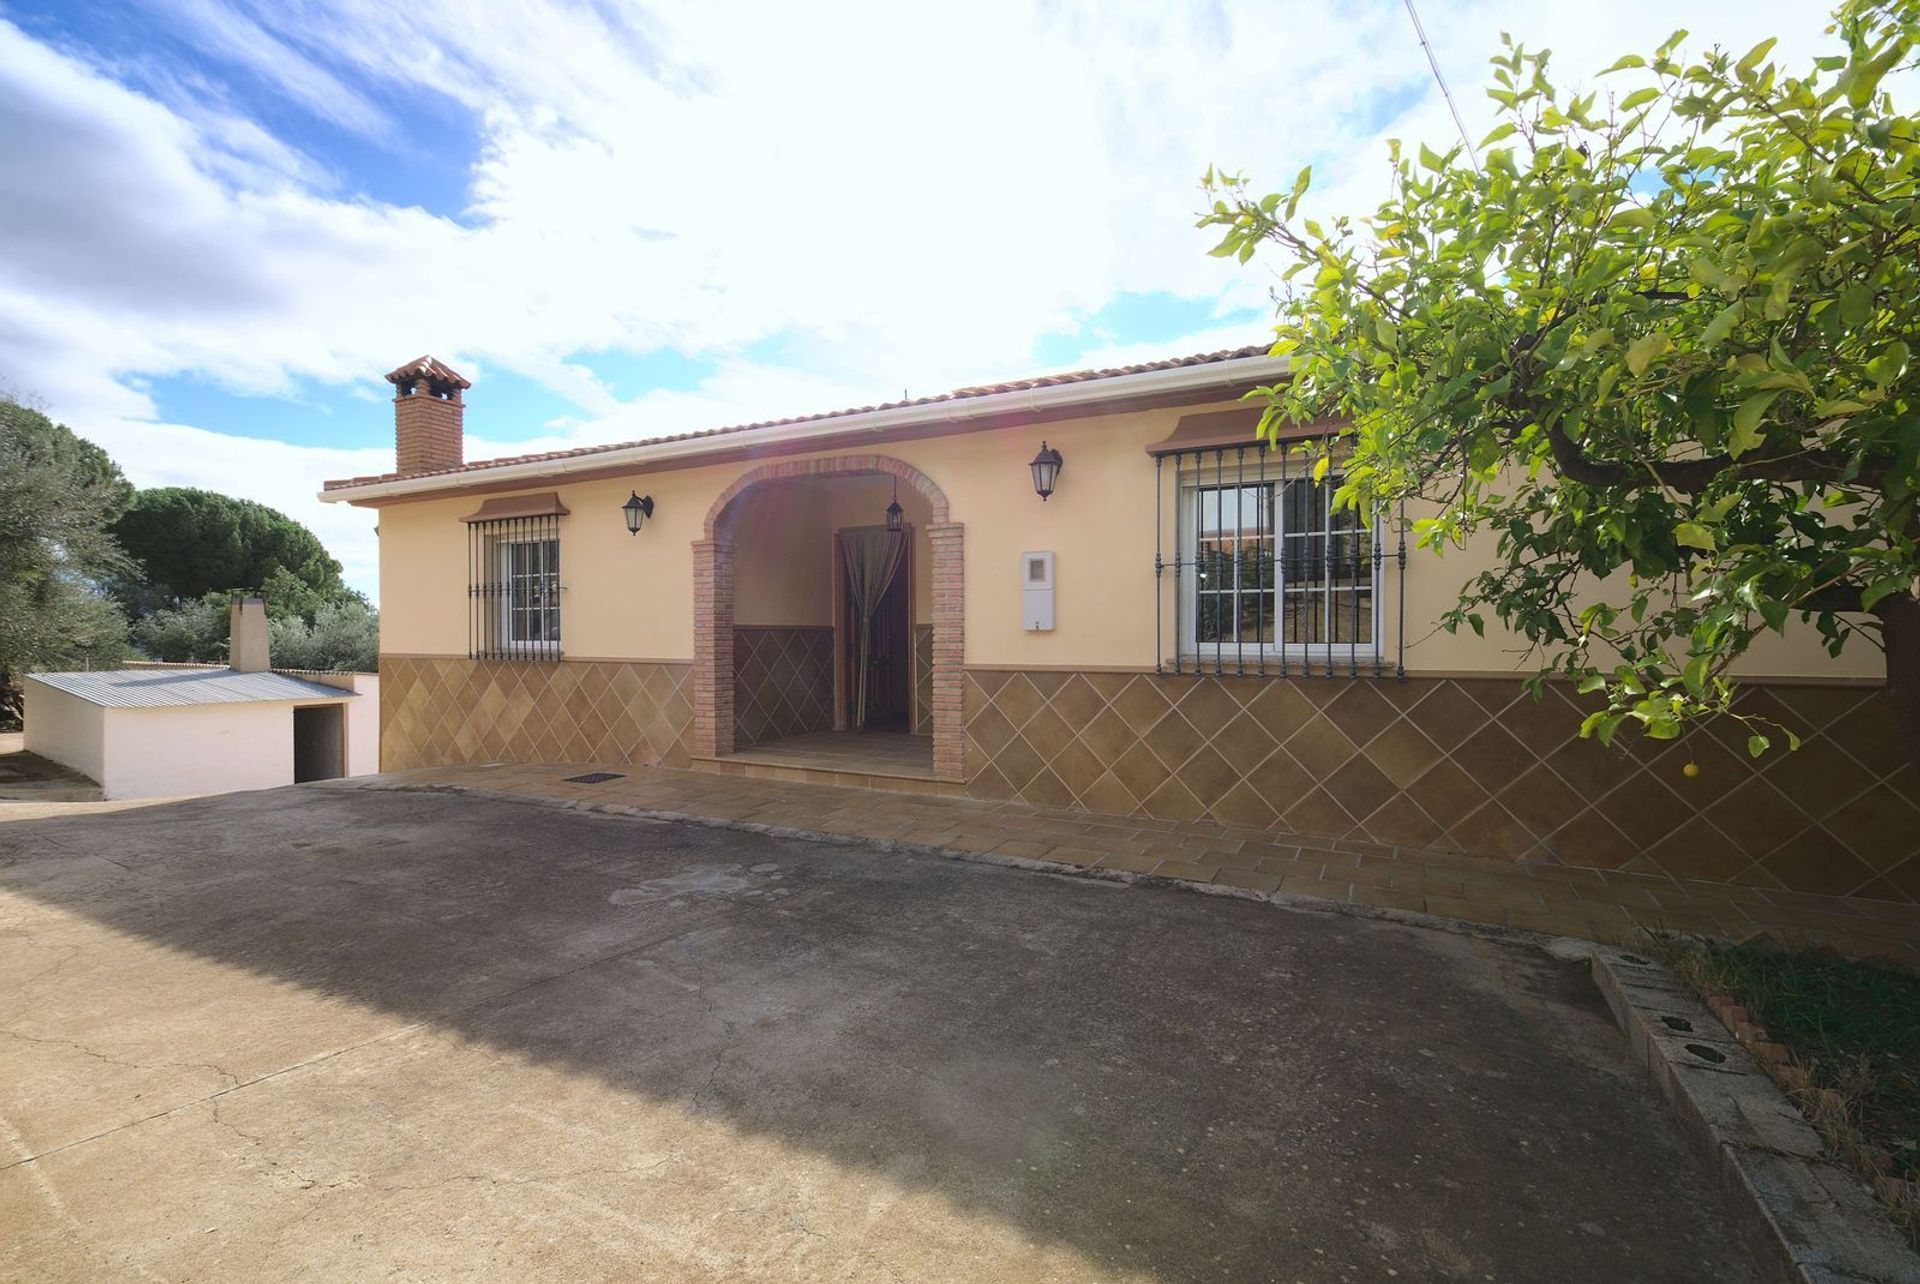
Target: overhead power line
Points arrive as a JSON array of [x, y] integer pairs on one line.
[[1441, 80]]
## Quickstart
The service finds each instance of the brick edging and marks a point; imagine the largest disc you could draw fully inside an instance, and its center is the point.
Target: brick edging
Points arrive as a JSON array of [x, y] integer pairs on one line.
[[1812, 1220]]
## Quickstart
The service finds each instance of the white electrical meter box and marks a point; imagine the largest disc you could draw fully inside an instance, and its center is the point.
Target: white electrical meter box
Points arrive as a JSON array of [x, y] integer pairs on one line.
[[1036, 592]]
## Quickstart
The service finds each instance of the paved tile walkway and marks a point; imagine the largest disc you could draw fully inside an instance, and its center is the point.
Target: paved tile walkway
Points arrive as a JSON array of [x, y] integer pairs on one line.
[[1555, 899], [868, 752]]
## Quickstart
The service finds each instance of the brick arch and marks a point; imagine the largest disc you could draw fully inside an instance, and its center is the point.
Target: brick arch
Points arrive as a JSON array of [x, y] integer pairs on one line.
[[713, 603], [719, 517]]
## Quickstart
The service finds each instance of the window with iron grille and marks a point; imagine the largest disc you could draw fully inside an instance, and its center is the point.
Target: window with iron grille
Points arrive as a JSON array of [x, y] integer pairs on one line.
[[1277, 566], [513, 588], [1268, 575]]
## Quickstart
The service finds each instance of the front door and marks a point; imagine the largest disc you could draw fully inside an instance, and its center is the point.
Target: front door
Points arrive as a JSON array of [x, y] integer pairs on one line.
[[890, 668], [890, 658]]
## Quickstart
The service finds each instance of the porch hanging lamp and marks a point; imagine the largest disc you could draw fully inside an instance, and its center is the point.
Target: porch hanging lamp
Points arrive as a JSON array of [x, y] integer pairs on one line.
[[894, 511], [637, 508], [1046, 471]]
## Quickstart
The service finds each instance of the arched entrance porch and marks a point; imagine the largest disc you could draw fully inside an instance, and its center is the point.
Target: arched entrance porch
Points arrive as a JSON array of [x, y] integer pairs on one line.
[[714, 602]]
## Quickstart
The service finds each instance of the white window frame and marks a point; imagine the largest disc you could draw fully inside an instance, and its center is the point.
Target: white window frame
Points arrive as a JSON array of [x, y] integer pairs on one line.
[[512, 611], [1192, 483]]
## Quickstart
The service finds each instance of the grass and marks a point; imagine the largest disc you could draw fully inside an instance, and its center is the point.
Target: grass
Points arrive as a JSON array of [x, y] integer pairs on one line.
[[1852, 1028]]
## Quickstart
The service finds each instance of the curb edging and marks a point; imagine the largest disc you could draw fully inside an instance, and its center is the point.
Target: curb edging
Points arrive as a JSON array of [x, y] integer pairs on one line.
[[1814, 1220]]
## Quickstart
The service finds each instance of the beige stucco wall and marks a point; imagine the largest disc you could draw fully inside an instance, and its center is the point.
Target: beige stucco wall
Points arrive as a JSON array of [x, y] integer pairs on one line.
[[65, 729], [630, 597], [783, 547]]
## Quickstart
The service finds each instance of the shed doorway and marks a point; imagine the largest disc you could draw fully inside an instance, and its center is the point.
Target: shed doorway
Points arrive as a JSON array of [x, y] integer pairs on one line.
[[319, 743]]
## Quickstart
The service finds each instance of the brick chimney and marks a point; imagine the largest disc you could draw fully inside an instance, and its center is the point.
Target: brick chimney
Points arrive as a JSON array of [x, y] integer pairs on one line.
[[247, 636], [426, 416]]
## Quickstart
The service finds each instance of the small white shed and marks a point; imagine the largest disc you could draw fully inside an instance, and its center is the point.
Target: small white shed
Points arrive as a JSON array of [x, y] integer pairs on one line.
[[156, 733]]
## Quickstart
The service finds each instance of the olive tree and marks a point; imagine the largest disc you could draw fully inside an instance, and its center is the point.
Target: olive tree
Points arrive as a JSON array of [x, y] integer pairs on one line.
[[1658, 341]]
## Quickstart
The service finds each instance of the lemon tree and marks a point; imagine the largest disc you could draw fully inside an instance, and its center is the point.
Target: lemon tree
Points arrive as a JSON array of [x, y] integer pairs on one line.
[[1660, 341]]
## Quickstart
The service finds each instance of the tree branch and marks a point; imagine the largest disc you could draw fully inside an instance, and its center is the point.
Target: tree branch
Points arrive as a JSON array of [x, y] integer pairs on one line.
[[1691, 476]]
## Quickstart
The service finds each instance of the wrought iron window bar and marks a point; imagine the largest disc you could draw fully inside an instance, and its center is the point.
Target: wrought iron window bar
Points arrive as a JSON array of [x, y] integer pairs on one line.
[[1288, 576], [513, 613]]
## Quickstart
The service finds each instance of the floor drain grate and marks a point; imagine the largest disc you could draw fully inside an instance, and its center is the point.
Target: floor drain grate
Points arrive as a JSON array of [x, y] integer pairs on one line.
[[595, 778]]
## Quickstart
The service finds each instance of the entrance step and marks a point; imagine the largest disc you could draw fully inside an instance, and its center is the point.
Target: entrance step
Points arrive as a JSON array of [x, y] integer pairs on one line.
[[900, 782]]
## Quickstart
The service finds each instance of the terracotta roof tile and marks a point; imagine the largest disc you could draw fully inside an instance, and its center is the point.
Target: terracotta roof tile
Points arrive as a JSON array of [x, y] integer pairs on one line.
[[429, 368], [958, 394]]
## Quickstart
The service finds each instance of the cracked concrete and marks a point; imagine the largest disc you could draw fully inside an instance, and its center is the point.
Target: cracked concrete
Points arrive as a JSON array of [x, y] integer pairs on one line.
[[324, 1033]]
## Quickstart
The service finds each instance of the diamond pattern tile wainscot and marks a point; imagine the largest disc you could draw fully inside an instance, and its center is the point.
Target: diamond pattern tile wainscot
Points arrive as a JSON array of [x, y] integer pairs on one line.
[[782, 683], [436, 711], [1475, 766]]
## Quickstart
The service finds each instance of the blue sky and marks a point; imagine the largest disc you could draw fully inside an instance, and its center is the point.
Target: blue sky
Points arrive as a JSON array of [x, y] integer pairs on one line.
[[222, 220]]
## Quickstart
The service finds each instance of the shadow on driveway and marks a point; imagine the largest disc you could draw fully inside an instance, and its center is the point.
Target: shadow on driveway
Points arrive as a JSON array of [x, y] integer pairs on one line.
[[322, 1030]]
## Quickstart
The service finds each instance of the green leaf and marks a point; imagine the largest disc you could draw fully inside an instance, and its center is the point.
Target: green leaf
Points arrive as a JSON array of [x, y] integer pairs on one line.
[[1874, 592], [1604, 388], [1746, 422], [1633, 218], [1758, 744], [1639, 98], [1626, 61], [1642, 351], [1889, 365], [1694, 535], [1746, 65], [1722, 324], [1432, 159], [1856, 305]]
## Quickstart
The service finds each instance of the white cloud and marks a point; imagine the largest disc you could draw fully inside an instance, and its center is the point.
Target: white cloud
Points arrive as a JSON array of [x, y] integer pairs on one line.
[[909, 196]]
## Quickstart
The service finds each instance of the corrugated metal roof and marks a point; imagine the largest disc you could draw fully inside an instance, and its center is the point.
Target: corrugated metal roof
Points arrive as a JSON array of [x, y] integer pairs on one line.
[[156, 688]]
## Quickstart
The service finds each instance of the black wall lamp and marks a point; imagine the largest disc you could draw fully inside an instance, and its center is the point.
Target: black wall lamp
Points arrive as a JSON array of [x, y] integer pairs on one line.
[[1046, 471], [894, 511], [637, 508]]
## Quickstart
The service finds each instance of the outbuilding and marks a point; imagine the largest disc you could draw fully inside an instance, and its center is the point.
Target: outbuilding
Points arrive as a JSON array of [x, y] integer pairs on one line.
[[160, 732]]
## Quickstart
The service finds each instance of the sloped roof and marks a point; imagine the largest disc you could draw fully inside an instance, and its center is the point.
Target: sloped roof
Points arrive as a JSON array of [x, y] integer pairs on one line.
[[160, 688], [429, 368], [958, 394]]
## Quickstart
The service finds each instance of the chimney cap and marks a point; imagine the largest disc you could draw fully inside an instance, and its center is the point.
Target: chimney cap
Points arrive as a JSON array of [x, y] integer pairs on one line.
[[429, 368]]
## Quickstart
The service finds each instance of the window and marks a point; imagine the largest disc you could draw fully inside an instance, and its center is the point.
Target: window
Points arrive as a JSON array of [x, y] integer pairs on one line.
[[1276, 566], [530, 569], [513, 588], [1258, 572]]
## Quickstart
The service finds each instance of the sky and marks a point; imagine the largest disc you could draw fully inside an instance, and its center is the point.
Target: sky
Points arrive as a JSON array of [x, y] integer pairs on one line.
[[222, 222]]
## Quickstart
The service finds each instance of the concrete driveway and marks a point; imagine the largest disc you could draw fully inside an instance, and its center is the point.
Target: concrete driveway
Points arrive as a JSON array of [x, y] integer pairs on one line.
[[323, 1032]]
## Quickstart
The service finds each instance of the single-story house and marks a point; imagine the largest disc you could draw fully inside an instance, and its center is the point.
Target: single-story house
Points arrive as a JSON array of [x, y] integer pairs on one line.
[[165, 731], [1092, 590]]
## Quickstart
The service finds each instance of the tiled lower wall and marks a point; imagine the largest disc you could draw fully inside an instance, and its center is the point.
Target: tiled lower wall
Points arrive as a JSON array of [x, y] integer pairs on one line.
[[782, 682], [438, 710], [1466, 765], [923, 679]]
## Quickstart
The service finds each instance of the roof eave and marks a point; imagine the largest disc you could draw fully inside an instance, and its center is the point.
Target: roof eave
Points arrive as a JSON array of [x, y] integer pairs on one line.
[[1237, 372]]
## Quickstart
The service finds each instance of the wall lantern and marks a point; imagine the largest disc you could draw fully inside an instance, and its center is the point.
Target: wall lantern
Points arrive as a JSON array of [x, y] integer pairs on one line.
[[894, 511], [637, 508], [1046, 471]]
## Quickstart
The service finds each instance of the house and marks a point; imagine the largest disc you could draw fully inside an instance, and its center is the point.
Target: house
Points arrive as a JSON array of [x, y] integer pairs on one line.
[[1101, 594], [164, 731]]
